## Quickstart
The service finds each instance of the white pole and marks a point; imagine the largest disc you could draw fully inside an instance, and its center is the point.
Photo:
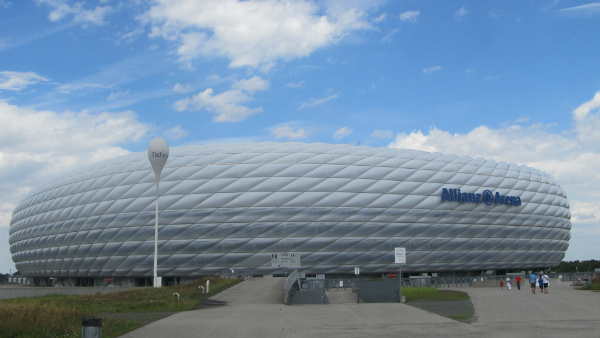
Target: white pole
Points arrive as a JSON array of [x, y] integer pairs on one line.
[[155, 284], [158, 153]]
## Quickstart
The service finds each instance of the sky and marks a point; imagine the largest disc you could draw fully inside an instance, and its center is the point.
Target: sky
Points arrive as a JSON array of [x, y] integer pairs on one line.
[[513, 81]]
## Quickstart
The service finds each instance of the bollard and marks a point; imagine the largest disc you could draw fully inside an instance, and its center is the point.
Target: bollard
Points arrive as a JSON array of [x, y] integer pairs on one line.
[[91, 328]]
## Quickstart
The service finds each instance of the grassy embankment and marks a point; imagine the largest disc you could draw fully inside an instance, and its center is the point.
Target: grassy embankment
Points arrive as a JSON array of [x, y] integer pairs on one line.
[[432, 294], [121, 312], [463, 313]]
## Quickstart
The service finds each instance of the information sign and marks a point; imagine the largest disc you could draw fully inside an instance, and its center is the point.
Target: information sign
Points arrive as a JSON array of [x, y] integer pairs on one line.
[[400, 256], [285, 260]]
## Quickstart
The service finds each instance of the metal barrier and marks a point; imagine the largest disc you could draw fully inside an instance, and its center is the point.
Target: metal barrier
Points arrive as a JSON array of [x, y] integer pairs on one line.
[[311, 291], [378, 290], [290, 281]]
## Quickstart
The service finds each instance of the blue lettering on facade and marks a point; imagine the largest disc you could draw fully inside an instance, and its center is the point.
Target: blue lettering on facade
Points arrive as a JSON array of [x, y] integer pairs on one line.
[[487, 197]]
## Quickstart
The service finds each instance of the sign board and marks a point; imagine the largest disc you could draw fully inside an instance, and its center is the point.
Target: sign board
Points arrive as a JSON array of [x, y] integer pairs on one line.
[[356, 270], [285, 260], [400, 256], [392, 275]]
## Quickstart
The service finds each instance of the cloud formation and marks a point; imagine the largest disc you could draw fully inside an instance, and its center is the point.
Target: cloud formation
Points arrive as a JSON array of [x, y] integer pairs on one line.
[[379, 133], [410, 16], [38, 145], [289, 132], [228, 105], [60, 9], [317, 102], [17, 80], [431, 70], [460, 13], [572, 158], [587, 10], [341, 133], [251, 33]]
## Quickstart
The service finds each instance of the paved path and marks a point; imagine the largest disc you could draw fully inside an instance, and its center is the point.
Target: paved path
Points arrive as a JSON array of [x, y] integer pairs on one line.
[[254, 309], [563, 312]]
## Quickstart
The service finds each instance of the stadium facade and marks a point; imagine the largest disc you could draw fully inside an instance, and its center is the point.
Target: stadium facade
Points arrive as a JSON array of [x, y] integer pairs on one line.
[[231, 206]]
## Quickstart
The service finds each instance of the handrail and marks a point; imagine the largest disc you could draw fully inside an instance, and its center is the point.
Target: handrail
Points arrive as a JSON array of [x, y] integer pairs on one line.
[[292, 279]]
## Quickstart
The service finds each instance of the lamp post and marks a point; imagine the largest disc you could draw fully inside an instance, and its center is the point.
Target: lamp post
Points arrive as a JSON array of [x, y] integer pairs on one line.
[[158, 153]]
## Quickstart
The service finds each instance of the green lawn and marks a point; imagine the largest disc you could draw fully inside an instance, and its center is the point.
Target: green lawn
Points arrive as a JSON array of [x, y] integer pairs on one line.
[[432, 294], [121, 312], [593, 286]]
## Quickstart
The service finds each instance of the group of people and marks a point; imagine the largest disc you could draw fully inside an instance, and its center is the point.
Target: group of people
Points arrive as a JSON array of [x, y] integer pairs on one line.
[[543, 281]]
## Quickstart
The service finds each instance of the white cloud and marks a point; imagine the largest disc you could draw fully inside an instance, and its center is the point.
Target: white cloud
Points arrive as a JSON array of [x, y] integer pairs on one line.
[[461, 13], [381, 18], [587, 10], [229, 105], [410, 16], [388, 36], [16, 80], [116, 95], [316, 102], [175, 133], [431, 70], [377, 133], [251, 85], [299, 84], [587, 121], [182, 88], [38, 145], [289, 132], [492, 78], [332, 60], [73, 87], [252, 33], [341, 133], [62, 9], [572, 158]]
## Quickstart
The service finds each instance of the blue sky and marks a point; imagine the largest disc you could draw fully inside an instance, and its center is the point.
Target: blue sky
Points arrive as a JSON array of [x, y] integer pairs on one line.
[[514, 81]]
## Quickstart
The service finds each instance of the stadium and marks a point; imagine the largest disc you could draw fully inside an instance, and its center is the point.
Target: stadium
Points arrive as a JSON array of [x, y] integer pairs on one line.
[[227, 207]]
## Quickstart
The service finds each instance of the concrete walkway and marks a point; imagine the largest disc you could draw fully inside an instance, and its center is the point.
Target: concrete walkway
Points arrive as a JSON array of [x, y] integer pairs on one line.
[[254, 309]]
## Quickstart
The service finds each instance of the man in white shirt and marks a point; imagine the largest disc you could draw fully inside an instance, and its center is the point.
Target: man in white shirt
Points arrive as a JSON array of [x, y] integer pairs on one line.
[[546, 281]]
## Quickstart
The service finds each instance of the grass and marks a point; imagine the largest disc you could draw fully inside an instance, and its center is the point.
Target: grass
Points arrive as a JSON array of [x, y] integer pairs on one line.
[[121, 312], [461, 318], [593, 286], [455, 305], [432, 294]]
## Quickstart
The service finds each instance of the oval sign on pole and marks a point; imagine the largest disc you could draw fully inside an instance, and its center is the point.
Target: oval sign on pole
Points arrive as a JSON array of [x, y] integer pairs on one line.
[[158, 153]]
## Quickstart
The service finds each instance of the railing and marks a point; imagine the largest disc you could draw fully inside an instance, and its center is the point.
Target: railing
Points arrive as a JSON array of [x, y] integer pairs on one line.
[[290, 281]]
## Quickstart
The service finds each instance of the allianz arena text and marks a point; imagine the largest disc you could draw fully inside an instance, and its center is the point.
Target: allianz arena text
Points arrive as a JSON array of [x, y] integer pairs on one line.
[[231, 206]]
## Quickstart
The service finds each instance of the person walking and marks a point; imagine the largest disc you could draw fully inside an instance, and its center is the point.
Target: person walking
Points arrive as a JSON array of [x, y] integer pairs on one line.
[[541, 283], [532, 279], [508, 286], [518, 280], [546, 281]]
